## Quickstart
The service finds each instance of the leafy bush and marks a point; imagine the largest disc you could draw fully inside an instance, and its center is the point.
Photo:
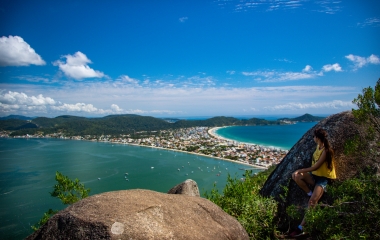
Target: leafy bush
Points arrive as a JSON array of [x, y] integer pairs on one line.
[[241, 199], [355, 213]]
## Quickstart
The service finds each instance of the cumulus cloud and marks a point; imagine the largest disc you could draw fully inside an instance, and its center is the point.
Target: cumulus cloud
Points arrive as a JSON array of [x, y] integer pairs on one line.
[[21, 103], [307, 68], [116, 109], [332, 67], [22, 99], [14, 51], [76, 66], [360, 62], [77, 107], [18, 102]]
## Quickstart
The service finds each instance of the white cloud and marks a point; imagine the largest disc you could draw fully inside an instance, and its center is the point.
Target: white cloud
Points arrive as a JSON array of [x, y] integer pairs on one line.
[[76, 66], [306, 73], [31, 78], [336, 104], [115, 108], [164, 100], [183, 19], [284, 60], [375, 22], [274, 76], [78, 107], [21, 103], [373, 59], [128, 79], [360, 62], [14, 51], [307, 68], [329, 6], [231, 72], [22, 99], [332, 67]]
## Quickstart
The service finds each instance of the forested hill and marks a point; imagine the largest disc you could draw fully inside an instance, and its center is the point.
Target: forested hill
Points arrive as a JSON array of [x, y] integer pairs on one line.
[[304, 118], [116, 124]]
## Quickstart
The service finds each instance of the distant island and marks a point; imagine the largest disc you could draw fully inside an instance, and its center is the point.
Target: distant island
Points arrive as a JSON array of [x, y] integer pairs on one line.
[[126, 124], [304, 118]]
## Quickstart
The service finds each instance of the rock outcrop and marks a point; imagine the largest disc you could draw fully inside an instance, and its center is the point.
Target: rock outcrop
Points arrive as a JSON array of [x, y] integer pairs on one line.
[[141, 214], [188, 187], [340, 128]]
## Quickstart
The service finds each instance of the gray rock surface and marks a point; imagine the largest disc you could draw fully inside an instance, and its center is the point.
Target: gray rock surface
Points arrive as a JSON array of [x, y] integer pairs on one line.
[[188, 187], [141, 214]]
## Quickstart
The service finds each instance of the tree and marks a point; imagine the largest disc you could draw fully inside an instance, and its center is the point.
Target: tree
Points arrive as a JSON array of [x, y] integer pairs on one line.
[[368, 107], [68, 191], [368, 115]]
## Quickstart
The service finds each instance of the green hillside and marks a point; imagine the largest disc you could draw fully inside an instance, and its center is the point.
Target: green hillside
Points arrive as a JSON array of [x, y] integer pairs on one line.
[[124, 124], [304, 118]]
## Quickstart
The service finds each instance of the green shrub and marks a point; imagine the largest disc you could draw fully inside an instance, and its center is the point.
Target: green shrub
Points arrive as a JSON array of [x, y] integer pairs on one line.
[[355, 213], [241, 199]]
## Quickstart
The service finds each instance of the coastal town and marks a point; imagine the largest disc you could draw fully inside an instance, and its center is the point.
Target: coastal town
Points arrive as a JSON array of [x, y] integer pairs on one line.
[[196, 140]]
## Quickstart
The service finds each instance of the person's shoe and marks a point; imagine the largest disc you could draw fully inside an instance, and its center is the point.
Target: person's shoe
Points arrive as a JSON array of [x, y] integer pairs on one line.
[[297, 232]]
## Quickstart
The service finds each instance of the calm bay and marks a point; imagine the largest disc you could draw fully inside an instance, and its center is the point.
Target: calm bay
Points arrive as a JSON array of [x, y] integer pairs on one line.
[[278, 136]]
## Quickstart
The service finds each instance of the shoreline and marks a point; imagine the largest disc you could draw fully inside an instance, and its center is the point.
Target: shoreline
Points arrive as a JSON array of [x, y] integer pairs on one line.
[[213, 133], [200, 154], [169, 149]]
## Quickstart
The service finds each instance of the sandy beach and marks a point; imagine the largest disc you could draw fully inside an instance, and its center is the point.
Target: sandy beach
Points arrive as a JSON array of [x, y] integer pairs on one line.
[[199, 154]]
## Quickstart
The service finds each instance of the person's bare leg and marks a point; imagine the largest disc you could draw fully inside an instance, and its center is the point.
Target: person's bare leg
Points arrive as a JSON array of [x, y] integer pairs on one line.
[[317, 194], [302, 180]]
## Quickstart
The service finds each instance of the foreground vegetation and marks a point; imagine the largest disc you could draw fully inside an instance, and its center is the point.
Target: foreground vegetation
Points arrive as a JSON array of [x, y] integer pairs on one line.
[[354, 214], [241, 199]]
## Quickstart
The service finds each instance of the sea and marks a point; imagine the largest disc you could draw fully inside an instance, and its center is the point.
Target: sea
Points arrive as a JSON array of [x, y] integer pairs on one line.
[[272, 136], [28, 167]]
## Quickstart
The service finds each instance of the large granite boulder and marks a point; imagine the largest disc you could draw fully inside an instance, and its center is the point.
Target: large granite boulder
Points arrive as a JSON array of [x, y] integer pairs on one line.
[[141, 214], [340, 128], [188, 187]]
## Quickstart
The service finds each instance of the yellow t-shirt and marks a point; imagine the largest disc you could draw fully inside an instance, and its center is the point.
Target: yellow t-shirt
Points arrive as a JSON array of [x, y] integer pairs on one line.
[[323, 170]]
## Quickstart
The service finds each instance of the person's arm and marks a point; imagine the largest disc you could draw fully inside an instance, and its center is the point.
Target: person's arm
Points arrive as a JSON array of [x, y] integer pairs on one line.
[[319, 163]]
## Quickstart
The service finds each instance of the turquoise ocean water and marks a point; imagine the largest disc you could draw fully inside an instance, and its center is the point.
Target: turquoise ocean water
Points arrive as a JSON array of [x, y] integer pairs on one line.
[[28, 166], [278, 136]]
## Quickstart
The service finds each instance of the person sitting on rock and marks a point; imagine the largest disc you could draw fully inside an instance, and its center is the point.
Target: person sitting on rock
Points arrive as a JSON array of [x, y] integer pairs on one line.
[[318, 175]]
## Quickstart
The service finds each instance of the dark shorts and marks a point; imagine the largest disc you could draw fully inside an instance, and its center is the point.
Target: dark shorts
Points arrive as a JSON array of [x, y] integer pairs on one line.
[[320, 181]]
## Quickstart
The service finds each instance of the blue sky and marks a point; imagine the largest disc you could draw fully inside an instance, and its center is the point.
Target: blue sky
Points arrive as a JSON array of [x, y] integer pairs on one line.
[[186, 58]]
